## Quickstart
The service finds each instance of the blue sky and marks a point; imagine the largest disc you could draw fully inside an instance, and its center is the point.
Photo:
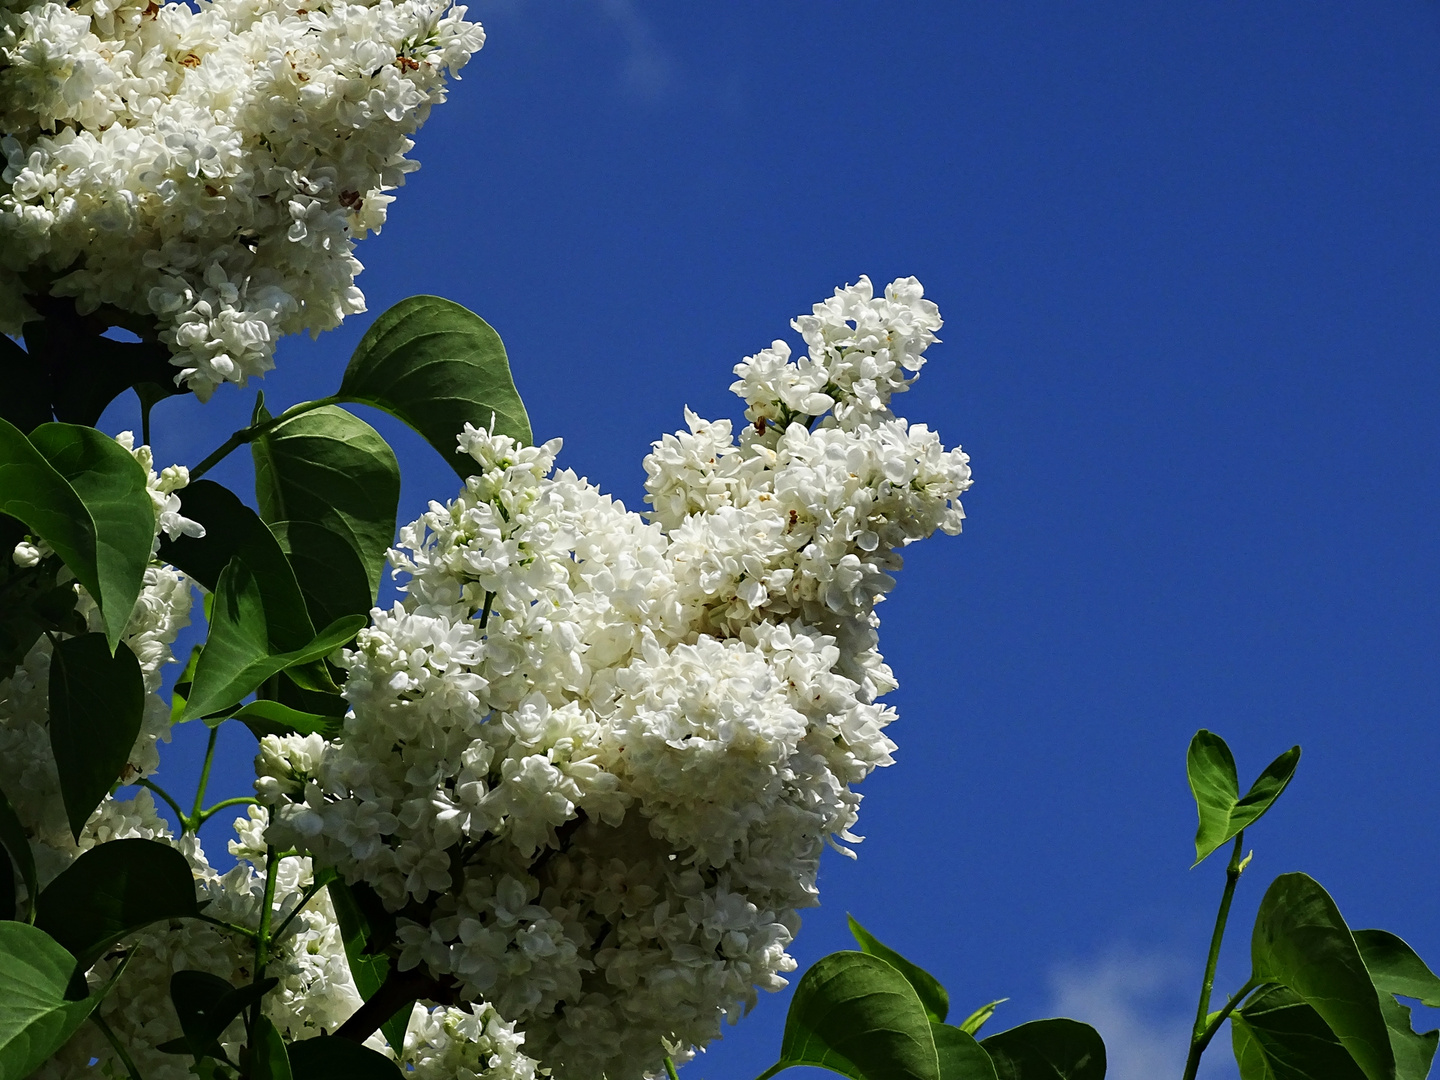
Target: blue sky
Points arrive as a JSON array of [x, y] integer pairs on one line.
[[1188, 258]]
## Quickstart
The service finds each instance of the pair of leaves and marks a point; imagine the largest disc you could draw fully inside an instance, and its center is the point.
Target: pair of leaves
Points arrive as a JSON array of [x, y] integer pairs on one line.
[[1224, 812], [112, 890], [84, 495], [259, 624], [1331, 1014], [37, 1016], [874, 1015], [366, 928]]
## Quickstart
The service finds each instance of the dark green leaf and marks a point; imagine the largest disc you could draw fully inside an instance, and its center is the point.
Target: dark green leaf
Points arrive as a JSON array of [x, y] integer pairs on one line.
[[241, 652], [437, 366], [97, 702], [206, 1005], [1047, 1050], [977, 1019], [1395, 968], [961, 1057], [111, 484], [328, 486], [1413, 1052], [36, 1019], [26, 401], [17, 843], [32, 602], [1223, 812], [112, 890], [268, 1059], [932, 994], [328, 1057], [1301, 941], [1277, 1036], [8, 899], [32, 491], [272, 718], [856, 1015], [366, 928], [181, 690]]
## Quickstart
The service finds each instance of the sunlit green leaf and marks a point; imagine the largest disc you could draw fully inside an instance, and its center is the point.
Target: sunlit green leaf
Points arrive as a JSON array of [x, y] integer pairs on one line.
[[856, 1015], [437, 366], [961, 1057], [97, 702], [932, 994], [977, 1019], [111, 484], [1395, 967], [112, 890], [366, 928], [1301, 941], [328, 486], [36, 1018], [272, 718], [329, 1057], [1223, 812], [1047, 1050]]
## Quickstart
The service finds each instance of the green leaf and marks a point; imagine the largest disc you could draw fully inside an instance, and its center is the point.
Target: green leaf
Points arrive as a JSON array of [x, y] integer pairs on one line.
[[1301, 941], [97, 702], [329, 486], [206, 1005], [32, 491], [961, 1057], [854, 1014], [437, 366], [26, 401], [932, 994], [1395, 968], [1276, 1036], [977, 1019], [241, 652], [111, 484], [1047, 1050], [180, 692], [17, 843], [1223, 813], [366, 928], [8, 899], [36, 1018], [268, 1059], [1413, 1052], [112, 890], [272, 718], [328, 1057], [32, 602]]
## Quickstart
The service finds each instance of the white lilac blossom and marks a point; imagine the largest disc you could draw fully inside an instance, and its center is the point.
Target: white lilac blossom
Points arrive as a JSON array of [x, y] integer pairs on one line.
[[210, 167], [593, 757]]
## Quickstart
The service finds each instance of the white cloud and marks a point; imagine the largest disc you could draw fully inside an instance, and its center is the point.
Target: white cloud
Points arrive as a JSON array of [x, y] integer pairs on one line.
[[649, 70], [1137, 1003]]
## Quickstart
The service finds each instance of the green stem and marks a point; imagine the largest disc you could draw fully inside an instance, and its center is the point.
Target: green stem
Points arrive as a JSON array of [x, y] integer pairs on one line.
[[670, 1069], [262, 936], [146, 782], [244, 931], [1203, 1030], [210, 811], [485, 614], [310, 892], [1192, 1065], [194, 820], [254, 431], [779, 1066], [116, 1045]]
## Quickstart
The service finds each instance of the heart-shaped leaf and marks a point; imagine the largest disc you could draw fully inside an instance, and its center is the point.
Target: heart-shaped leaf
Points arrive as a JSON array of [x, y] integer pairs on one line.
[[36, 1017], [961, 1057], [97, 702], [1223, 812], [111, 484], [328, 486], [1301, 941], [437, 367], [1276, 1036], [17, 843], [112, 890], [329, 1057], [855, 1015], [1047, 1050], [932, 994], [1396, 969]]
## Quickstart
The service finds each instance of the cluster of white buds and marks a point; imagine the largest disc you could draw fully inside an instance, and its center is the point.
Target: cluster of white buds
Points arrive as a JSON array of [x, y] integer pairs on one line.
[[594, 757], [210, 167]]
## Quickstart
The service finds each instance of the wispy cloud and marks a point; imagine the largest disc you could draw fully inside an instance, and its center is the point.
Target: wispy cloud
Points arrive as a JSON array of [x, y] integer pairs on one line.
[[1136, 1002], [649, 71]]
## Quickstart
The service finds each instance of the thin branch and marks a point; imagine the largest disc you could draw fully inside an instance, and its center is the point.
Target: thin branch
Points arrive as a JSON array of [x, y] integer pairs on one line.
[[209, 812], [146, 782], [255, 431]]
